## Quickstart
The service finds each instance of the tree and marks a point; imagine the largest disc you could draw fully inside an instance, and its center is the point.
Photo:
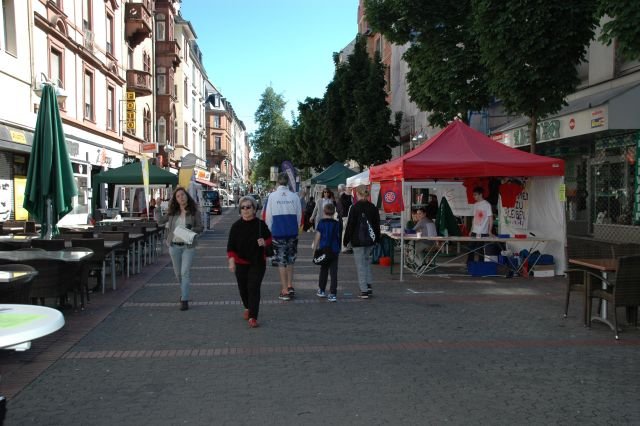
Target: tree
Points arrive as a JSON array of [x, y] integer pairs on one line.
[[532, 49], [358, 93], [270, 139], [311, 135], [446, 77], [623, 27]]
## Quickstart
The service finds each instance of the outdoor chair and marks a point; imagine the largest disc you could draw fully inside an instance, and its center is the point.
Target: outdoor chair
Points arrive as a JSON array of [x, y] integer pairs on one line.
[[624, 290], [576, 281], [122, 254], [49, 245], [97, 263], [49, 282], [78, 276], [7, 246], [17, 291]]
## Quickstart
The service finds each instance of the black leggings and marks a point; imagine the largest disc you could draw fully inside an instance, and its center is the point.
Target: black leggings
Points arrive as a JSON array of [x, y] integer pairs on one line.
[[249, 279]]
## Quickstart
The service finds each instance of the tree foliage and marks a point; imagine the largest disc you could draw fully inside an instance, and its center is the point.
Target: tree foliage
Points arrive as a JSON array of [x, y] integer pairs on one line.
[[532, 49], [272, 140], [445, 76], [623, 26]]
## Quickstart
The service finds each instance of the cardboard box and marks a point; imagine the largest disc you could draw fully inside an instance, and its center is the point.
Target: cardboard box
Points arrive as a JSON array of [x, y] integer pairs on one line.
[[544, 271]]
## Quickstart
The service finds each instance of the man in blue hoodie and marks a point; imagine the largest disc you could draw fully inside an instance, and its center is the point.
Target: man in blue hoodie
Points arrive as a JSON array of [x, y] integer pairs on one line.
[[283, 215]]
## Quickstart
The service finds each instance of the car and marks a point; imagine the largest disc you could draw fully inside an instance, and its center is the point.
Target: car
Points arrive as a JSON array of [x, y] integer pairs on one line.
[[257, 198], [227, 199]]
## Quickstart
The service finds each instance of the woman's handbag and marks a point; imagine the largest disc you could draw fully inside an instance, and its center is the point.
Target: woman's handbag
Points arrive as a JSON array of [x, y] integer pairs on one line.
[[323, 256]]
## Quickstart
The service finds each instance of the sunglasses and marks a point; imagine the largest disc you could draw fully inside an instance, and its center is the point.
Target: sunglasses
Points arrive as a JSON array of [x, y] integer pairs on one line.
[[246, 207]]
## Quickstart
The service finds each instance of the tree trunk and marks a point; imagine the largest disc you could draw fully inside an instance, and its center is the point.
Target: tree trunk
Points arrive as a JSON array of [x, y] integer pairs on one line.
[[533, 126]]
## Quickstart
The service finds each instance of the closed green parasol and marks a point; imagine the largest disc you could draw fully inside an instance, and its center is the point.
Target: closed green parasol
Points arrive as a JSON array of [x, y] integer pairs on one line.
[[50, 188]]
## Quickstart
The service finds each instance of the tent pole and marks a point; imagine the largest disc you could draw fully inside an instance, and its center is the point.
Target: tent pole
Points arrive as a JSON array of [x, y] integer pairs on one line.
[[402, 236]]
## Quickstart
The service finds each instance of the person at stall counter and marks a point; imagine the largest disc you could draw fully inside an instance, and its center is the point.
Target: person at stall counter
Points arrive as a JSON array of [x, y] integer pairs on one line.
[[183, 211], [482, 221]]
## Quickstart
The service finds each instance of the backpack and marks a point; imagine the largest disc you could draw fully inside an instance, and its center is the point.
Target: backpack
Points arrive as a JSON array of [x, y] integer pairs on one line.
[[366, 235]]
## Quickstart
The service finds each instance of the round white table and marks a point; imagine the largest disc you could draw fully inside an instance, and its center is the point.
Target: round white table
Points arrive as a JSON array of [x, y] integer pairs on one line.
[[20, 324]]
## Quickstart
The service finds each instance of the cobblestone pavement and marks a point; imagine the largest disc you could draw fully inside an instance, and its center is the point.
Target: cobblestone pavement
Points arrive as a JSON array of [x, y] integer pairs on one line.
[[430, 350]]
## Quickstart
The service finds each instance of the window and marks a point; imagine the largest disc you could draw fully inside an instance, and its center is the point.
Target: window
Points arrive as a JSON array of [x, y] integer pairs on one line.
[[111, 110], [160, 29], [129, 58], [193, 108], [88, 95], [218, 142], [161, 82], [175, 130], [186, 92], [186, 135], [9, 42], [86, 15], [56, 73], [162, 131], [146, 62], [216, 121], [109, 30], [216, 101], [146, 130]]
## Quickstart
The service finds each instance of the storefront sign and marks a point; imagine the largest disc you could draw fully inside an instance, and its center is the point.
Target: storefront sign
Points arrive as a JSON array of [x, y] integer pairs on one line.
[[202, 174], [131, 112], [575, 124], [149, 147], [18, 137]]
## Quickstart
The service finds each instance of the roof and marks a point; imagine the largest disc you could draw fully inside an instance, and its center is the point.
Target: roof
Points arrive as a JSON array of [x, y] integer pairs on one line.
[[459, 151]]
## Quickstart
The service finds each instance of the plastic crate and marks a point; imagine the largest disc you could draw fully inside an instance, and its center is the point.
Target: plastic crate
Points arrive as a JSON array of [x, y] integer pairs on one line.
[[481, 269]]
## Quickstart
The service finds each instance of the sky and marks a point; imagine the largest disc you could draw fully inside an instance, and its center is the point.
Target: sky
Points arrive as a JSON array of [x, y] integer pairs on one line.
[[249, 45]]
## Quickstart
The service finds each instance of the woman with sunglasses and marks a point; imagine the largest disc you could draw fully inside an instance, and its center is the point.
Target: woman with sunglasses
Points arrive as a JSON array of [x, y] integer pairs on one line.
[[249, 238], [183, 212]]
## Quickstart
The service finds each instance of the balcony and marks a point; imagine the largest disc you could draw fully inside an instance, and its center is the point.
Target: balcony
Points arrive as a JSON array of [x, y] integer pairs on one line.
[[138, 23], [169, 50], [139, 82]]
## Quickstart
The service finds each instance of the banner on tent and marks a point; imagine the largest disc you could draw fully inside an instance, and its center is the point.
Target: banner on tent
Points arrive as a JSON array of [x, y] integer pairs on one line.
[[518, 216], [392, 196]]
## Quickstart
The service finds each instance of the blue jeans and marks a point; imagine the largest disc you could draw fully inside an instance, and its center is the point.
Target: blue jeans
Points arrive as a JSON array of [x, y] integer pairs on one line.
[[362, 257], [182, 258]]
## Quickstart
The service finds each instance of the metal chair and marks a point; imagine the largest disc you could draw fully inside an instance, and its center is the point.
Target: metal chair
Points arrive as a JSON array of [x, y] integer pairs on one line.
[[624, 290], [122, 254]]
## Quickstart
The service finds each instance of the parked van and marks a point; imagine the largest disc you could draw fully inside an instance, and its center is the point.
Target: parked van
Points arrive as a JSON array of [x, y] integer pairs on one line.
[[212, 201], [227, 199]]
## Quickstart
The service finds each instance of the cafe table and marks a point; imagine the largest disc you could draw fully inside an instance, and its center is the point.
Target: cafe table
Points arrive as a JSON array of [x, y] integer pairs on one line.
[[20, 324], [604, 267]]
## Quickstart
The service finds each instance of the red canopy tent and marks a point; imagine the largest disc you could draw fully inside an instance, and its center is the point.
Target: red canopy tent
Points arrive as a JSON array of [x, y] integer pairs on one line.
[[459, 151]]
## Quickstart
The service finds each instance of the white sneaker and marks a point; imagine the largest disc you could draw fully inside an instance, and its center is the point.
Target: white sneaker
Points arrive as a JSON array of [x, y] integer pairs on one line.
[[321, 293]]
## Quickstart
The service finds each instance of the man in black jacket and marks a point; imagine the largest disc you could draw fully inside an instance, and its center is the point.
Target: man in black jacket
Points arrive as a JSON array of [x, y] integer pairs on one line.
[[343, 205]]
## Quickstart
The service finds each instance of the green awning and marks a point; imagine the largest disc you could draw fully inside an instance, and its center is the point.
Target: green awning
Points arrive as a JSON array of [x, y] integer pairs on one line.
[[333, 175]]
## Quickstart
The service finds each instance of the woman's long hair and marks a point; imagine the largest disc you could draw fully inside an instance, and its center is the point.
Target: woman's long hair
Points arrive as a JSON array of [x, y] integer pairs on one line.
[[174, 207]]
